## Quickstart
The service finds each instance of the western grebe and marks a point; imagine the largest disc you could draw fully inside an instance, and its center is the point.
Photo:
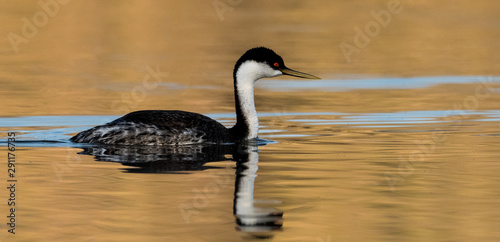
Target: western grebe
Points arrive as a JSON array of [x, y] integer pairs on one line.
[[155, 127]]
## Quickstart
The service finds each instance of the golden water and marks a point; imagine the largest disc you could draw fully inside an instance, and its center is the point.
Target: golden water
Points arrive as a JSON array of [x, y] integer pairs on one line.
[[361, 164]]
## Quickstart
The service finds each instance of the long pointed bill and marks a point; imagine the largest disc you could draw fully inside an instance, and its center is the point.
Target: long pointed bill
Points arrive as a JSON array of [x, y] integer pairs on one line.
[[290, 72]]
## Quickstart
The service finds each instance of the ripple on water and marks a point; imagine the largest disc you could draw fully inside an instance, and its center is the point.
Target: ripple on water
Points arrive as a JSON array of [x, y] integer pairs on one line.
[[56, 130]]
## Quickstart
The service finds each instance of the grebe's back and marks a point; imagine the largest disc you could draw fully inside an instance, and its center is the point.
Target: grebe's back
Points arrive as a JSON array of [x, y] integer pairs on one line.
[[157, 127]]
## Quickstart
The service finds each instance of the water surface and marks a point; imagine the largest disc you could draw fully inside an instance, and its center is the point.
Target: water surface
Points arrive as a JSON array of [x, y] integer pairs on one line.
[[398, 144]]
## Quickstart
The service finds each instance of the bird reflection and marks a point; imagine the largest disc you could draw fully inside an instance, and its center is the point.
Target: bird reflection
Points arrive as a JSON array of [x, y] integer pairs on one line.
[[161, 159], [258, 222]]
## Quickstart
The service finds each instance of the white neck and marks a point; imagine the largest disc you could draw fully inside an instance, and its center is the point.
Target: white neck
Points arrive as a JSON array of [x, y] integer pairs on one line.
[[245, 88], [248, 73]]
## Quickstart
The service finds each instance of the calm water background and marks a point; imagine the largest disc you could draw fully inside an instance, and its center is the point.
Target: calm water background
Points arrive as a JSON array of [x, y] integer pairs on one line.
[[398, 142]]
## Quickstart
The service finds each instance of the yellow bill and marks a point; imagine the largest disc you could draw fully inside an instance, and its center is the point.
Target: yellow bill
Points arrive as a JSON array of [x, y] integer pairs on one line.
[[290, 72]]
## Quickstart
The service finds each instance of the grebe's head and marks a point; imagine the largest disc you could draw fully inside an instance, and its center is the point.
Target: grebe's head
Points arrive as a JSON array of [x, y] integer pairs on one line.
[[262, 62]]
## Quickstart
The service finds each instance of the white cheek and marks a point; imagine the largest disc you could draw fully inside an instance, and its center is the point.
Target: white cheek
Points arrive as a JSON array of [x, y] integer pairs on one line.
[[277, 73], [267, 71], [251, 71]]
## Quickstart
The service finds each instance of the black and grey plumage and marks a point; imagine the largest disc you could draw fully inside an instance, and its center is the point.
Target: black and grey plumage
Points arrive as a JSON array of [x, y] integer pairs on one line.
[[157, 127]]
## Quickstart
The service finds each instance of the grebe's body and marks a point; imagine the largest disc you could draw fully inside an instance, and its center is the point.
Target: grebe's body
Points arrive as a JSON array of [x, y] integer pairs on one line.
[[155, 127]]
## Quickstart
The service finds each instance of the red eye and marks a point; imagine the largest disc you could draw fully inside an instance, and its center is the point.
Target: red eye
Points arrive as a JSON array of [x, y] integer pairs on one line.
[[276, 64]]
